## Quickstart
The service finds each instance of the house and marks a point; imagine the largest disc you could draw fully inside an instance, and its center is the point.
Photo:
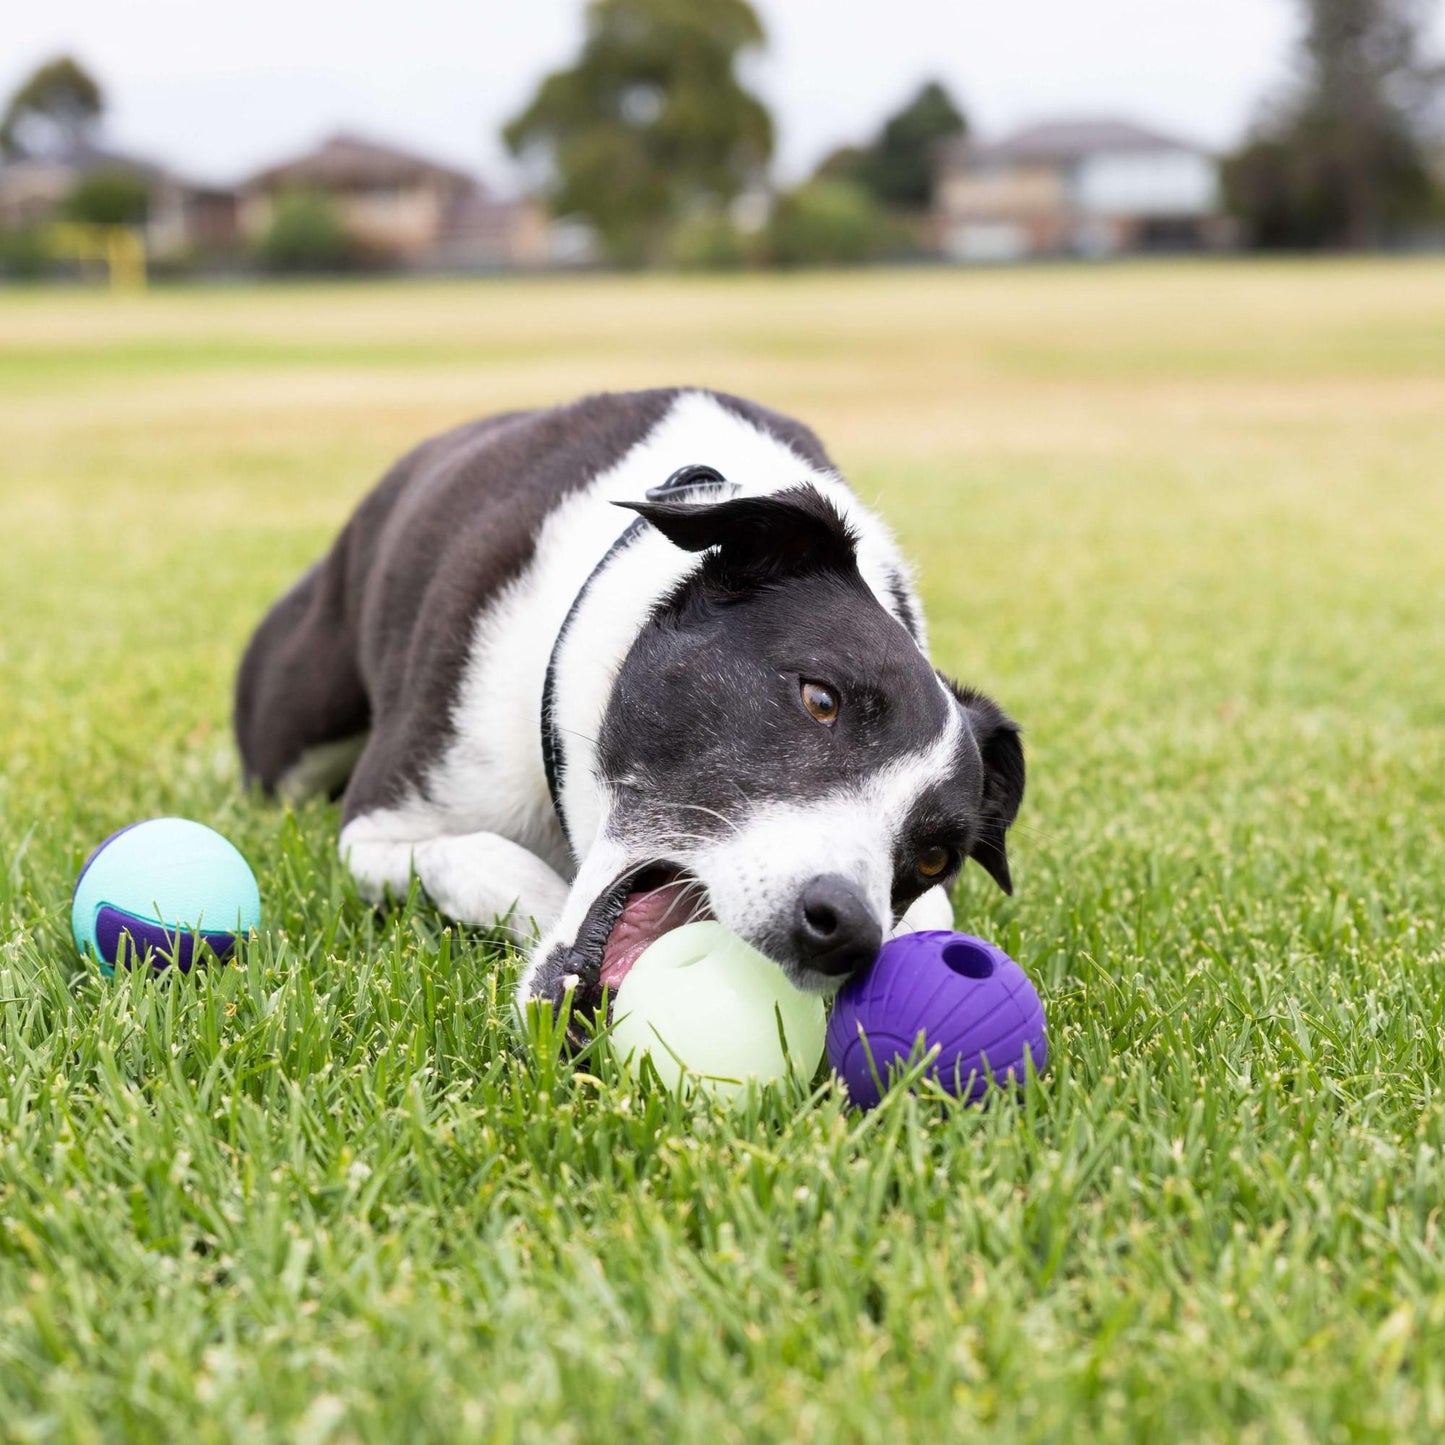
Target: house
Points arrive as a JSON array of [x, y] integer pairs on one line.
[[404, 209], [189, 219], [1076, 188], [35, 189], [182, 218]]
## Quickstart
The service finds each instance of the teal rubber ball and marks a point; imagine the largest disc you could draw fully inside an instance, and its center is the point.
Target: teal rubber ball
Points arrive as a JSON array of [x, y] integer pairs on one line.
[[156, 890]]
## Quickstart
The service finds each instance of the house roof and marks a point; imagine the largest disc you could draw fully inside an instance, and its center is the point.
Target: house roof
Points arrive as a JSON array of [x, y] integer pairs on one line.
[[349, 160], [1069, 140], [82, 159]]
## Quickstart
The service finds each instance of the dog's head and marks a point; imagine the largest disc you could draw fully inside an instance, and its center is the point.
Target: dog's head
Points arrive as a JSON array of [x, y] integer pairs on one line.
[[779, 754]]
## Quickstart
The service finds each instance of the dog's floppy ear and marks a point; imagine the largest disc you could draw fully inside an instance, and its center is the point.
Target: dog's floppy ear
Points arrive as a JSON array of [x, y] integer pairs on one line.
[[759, 538], [997, 736]]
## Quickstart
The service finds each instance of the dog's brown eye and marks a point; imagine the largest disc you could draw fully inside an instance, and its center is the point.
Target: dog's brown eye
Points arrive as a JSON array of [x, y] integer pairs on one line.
[[821, 701], [933, 861]]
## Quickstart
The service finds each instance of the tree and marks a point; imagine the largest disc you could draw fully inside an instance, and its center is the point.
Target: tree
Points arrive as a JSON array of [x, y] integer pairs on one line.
[[24, 254], [109, 197], [57, 109], [306, 234], [846, 163], [1340, 158], [709, 240], [899, 166], [823, 223], [651, 120]]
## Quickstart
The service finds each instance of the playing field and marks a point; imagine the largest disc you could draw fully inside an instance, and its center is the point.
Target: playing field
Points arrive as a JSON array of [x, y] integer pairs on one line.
[[1187, 522]]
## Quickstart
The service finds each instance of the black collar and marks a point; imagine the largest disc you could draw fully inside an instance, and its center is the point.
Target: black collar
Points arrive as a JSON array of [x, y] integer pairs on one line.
[[696, 477]]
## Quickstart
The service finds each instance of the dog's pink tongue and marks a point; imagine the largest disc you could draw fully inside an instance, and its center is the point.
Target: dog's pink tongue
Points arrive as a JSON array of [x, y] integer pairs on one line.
[[645, 918]]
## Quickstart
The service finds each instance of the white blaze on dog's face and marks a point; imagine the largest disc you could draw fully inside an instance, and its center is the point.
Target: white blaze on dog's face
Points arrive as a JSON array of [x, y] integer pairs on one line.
[[779, 754], [852, 859]]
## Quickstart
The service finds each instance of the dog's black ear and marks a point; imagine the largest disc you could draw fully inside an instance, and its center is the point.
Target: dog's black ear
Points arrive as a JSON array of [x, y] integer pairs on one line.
[[759, 538], [1003, 778]]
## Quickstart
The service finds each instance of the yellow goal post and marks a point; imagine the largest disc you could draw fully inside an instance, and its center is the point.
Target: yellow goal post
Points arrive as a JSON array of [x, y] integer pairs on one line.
[[122, 250]]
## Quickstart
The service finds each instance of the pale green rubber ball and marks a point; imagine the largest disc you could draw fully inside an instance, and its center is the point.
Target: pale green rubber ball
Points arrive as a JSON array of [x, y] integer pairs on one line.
[[701, 1001]]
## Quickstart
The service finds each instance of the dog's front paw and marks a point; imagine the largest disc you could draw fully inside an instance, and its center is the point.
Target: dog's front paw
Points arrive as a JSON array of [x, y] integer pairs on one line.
[[490, 882]]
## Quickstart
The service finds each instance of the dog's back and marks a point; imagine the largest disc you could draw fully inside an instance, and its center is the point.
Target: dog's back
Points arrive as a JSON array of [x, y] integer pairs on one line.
[[380, 628], [446, 529]]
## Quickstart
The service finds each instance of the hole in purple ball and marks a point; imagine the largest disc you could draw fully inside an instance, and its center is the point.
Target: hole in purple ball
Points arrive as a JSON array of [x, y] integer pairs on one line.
[[972, 960]]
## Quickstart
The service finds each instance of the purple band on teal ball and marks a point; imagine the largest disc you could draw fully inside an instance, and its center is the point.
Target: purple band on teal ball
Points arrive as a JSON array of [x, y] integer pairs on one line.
[[146, 936]]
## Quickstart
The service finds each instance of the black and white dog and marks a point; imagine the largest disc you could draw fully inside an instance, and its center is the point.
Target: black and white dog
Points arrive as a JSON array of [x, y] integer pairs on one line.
[[594, 671]]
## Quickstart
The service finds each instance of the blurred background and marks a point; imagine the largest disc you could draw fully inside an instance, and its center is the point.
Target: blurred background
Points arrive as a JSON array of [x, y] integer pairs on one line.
[[167, 138], [1129, 317]]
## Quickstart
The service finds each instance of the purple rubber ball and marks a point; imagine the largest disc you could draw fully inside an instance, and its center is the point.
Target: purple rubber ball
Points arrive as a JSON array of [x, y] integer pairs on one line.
[[967, 998]]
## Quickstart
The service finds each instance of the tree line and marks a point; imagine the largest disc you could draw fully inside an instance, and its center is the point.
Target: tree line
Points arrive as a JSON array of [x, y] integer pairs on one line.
[[651, 136]]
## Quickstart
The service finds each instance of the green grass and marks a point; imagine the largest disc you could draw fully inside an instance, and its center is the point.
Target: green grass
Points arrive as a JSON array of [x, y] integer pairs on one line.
[[1187, 522]]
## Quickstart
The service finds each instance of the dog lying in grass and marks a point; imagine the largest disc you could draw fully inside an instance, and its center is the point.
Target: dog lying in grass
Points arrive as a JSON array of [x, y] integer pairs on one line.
[[594, 671]]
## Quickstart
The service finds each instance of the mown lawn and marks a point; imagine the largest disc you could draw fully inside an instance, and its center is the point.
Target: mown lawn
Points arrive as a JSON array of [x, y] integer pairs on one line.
[[1187, 521]]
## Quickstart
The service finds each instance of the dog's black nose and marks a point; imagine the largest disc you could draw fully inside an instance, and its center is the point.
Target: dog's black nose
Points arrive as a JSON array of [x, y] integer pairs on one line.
[[835, 931]]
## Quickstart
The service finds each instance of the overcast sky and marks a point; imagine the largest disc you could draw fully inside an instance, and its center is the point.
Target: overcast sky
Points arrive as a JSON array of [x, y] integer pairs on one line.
[[218, 90]]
